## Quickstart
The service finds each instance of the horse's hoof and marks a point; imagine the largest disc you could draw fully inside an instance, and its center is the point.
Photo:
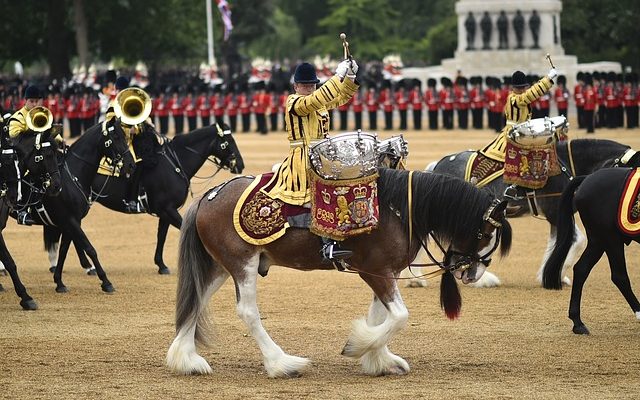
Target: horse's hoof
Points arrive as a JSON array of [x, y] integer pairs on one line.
[[62, 289], [581, 330], [91, 271], [29, 305], [108, 288], [566, 281], [52, 269], [3, 272], [164, 271], [396, 370]]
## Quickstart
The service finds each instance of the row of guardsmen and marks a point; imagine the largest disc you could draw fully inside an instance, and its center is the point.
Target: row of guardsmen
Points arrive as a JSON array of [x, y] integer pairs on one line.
[[611, 98]]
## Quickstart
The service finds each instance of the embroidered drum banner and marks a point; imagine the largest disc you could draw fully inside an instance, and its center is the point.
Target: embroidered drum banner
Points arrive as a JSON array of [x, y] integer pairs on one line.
[[530, 165], [343, 208]]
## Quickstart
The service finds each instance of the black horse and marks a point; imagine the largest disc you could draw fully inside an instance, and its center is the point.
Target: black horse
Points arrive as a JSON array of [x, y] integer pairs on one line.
[[63, 214], [597, 198], [21, 189], [166, 182], [578, 157]]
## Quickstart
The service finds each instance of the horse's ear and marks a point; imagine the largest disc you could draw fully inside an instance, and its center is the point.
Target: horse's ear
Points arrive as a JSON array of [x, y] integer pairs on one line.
[[500, 210], [496, 212]]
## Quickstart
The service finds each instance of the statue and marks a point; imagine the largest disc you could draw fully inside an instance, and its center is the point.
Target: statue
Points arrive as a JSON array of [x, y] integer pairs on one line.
[[518, 27], [470, 26], [486, 25], [534, 25], [503, 25]]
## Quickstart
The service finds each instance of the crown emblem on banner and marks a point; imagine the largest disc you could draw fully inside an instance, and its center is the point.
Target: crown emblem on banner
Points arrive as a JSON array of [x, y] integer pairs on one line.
[[511, 153], [360, 192]]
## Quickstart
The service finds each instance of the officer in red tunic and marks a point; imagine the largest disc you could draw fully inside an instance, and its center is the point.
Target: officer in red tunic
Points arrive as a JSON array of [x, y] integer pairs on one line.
[[476, 98], [447, 99], [174, 104], [611, 100], [402, 103], [358, 108], [415, 101], [432, 100], [561, 96], [162, 111], [343, 109], [203, 107], [462, 102], [218, 103], [386, 100], [578, 98], [630, 99], [244, 106], [371, 102], [490, 100], [590, 103]]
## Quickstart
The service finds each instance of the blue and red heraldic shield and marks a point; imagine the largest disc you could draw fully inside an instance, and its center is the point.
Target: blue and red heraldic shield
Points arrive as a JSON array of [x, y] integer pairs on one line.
[[345, 207], [629, 207], [530, 165]]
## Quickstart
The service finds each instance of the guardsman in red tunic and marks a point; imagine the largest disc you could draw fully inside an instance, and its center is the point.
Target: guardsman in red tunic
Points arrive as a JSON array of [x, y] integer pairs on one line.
[[462, 102], [447, 98], [72, 112], [630, 99], [175, 105], [599, 83], [274, 101], [415, 100], [203, 107], [578, 98], [371, 101], [611, 101], [545, 104], [387, 105], [343, 109], [162, 111], [190, 109], [490, 100], [590, 103], [218, 103], [244, 106], [358, 107], [231, 107], [476, 97], [432, 100], [402, 103], [52, 102], [259, 106], [561, 96]]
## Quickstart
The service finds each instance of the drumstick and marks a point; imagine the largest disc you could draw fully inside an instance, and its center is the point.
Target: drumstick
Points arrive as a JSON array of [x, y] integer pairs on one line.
[[548, 57], [345, 45]]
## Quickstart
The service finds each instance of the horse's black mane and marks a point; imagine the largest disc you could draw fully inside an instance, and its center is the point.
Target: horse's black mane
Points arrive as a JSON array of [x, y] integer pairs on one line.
[[449, 206]]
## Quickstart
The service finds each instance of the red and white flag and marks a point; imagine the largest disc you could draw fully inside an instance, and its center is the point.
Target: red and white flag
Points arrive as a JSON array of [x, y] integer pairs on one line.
[[225, 14]]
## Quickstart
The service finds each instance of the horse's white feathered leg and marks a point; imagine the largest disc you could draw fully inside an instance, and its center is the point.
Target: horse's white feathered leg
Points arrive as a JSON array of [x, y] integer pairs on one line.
[[578, 246], [182, 356], [369, 338], [276, 362], [547, 252], [53, 254]]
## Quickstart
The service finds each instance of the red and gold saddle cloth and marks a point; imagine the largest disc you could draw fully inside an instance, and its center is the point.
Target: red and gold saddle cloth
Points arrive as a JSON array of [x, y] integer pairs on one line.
[[629, 208], [259, 219], [481, 169], [345, 207], [530, 165]]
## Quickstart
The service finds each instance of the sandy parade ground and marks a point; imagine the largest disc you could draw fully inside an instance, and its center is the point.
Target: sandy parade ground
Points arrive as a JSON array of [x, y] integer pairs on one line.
[[511, 342]]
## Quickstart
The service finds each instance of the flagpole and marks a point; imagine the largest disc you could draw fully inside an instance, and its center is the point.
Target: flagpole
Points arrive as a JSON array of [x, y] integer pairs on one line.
[[212, 57]]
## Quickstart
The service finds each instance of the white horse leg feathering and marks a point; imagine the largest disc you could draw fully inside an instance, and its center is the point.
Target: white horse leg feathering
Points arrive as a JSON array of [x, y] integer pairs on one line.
[[369, 338]]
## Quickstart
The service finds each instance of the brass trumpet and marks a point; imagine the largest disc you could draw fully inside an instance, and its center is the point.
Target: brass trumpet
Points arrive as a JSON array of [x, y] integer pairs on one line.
[[132, 106], [39, 119]]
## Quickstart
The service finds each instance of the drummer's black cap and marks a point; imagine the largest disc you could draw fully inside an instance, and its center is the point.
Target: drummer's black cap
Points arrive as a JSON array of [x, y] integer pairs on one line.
[[305, 73], [519, 80]]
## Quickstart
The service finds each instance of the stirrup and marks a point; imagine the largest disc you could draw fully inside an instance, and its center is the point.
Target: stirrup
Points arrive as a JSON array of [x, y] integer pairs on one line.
[[511, 192], [134, 207], [332, 252]]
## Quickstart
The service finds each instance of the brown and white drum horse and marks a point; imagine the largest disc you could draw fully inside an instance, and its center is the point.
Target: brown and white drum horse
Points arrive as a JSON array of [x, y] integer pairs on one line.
[[463, 219]]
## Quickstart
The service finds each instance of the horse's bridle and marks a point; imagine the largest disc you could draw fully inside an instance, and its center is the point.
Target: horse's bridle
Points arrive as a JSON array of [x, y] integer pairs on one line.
[[38, 147]]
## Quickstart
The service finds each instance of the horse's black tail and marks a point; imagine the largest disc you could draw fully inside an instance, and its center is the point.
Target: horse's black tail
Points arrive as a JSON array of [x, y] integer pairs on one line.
[[193, 261], [552, 272], [50, 237], [450, 299]]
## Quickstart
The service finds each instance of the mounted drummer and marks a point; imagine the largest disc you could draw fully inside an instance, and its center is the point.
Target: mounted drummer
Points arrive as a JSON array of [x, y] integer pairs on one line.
[[307, 122], [517, 109]]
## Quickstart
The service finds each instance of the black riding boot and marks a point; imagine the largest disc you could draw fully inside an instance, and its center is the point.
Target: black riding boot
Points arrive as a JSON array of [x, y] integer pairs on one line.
[[132, 202], [24, 218], [331, 250]]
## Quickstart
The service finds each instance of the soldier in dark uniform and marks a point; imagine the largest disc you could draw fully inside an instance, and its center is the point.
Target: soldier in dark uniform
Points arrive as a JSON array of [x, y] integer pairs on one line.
[[486, 25], [534, 25], [503, 26], [518, 27], [470, 26]]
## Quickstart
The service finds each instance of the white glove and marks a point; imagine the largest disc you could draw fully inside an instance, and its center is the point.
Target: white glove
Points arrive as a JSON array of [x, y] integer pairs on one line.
[[353, 70], [342, 69], [553, 73]]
